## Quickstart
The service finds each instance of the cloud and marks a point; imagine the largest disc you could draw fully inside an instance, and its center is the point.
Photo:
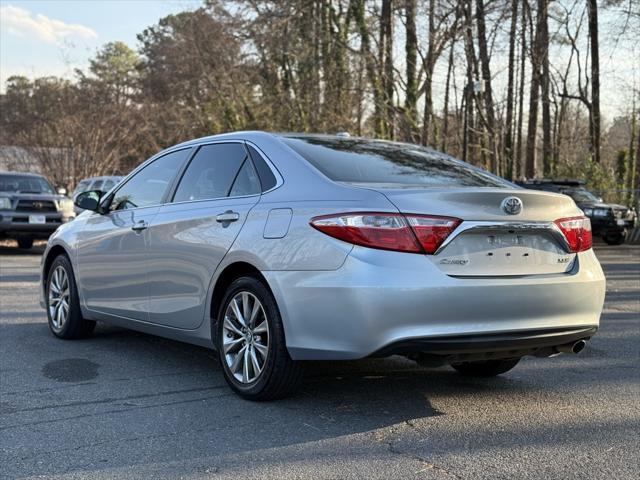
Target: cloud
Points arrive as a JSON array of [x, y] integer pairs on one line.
[[21, 22]]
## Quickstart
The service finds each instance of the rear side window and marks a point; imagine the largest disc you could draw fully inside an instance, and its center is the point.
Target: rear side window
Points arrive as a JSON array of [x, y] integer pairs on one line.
[[370, 161], [213, 172], [267, 178]]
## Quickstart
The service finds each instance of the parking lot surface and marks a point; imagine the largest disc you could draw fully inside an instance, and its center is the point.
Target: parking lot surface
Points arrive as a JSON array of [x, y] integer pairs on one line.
[[128, 405]]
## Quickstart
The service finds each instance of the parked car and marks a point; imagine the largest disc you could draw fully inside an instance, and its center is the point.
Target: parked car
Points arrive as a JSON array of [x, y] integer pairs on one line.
[[104, 184], [610, 221], [30, 208], [274, 249]]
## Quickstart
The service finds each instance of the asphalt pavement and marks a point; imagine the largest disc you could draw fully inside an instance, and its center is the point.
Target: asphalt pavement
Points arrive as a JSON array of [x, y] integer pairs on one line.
[[128, 405]]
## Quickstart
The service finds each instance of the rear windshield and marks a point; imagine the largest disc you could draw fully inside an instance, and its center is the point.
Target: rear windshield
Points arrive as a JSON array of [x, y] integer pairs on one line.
[[24, 184], [371, 161]]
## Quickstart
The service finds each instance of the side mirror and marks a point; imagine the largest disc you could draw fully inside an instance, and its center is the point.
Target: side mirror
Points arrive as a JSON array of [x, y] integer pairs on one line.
[[89, 200], [62, 191]]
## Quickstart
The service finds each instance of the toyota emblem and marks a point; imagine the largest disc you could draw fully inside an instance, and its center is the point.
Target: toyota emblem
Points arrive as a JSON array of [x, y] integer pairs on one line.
[[511, 205]]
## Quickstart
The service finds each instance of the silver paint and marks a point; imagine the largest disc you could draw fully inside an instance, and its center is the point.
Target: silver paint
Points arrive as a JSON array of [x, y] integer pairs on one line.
[[337, 301]]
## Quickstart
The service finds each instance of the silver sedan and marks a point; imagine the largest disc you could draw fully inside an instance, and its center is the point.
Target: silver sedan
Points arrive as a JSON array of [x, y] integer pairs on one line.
[[273, 249]]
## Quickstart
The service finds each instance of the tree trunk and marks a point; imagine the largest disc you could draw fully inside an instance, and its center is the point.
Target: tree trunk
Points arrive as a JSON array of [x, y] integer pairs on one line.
[[523, 53], [508, 127], [445, 113], [489, 114], [544, 84], [411, 49], [372, 74], [428, 81], [595, 79], [386, 52], [534, 96]]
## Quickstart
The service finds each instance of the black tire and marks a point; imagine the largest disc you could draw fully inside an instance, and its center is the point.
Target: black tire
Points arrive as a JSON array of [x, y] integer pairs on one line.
[[617, 238], [74, 326], [25, 243], [486, 368], [280, 375]]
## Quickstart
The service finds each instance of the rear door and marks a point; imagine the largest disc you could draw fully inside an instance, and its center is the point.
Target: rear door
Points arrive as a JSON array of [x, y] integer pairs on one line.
[[190, 236]]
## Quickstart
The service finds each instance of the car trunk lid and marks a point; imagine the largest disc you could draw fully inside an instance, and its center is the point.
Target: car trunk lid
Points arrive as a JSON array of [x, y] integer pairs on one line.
[[489, 241]]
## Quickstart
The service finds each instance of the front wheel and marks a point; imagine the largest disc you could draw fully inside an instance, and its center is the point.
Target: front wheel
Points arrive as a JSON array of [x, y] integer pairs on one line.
[[251, 343], [63, 305], [485, 368]]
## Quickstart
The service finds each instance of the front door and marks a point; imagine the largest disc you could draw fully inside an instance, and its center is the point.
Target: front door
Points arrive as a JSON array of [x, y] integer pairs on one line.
[[112, 247]]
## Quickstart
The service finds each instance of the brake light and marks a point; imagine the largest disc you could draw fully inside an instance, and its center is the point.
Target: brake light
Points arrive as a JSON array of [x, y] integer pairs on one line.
[[577, 232], [388, 231]]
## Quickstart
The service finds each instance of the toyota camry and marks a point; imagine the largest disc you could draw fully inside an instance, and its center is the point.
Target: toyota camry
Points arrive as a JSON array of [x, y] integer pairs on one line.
[[274, 249]]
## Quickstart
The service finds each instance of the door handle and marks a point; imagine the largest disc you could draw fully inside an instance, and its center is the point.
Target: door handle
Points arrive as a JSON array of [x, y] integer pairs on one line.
[[228, 216], [139, 226]]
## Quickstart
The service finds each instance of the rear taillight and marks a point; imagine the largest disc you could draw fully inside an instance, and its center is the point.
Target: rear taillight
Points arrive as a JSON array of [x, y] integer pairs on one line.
[[388, 231], [577, 232]]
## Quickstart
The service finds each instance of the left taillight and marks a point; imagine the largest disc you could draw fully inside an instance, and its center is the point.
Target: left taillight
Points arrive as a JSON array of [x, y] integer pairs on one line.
[[577, 232], [388, 231]]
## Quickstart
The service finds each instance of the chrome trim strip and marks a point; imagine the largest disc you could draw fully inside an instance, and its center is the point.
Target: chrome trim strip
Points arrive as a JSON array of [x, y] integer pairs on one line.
[[482, 226]]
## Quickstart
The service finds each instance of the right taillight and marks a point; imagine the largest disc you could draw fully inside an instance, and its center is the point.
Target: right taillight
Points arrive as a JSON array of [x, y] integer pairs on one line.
[[577, 232], [388, 231]]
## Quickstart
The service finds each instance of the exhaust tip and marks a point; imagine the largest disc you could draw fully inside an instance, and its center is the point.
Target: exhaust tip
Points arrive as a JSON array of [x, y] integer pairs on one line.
[[578, 346]]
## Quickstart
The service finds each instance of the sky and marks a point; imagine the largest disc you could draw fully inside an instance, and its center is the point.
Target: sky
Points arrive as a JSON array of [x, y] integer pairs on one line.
[[54, 37]]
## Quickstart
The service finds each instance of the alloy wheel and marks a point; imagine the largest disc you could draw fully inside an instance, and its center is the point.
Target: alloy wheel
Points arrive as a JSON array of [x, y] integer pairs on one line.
[[59, 297], [246, 338]]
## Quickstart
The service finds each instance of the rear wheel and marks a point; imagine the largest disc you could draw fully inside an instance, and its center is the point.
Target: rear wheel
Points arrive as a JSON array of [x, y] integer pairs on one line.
[[617, 238], [63, 306], [251, 343], [486, 368], [25, 243]]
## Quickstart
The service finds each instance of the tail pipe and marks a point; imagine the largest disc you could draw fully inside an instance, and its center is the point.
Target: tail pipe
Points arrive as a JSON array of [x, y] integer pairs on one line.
[[574, 347]]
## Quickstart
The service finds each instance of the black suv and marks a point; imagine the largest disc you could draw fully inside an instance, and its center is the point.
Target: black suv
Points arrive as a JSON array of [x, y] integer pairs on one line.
[[30, 208], [610, 221]]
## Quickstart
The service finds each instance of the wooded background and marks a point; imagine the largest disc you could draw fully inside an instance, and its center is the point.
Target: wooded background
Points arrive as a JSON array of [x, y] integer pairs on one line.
[[513, 86]]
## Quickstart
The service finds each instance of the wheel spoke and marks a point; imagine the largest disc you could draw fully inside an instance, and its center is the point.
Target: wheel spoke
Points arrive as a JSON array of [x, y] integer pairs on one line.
[[228, 324], [229, 346], [254, 362], [262, 328], [262, 349], [254, 313], [245, 366], [237, 313], [245, 307], [237, 361]]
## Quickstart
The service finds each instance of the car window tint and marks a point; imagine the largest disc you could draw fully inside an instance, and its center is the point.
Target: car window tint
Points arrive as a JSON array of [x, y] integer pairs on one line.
[[267, 178], [97, 185], [247, 181], [107, 185], [148, 186], [211, 172], [371, 161]]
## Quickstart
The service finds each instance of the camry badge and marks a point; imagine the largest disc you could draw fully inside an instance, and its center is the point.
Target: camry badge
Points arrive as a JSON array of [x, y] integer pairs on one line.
[[511, 205]]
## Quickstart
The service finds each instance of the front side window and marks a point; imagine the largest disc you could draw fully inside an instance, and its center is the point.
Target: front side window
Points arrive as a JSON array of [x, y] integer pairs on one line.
[[218, 171], [376, 162], [83, 186], [149, 185]]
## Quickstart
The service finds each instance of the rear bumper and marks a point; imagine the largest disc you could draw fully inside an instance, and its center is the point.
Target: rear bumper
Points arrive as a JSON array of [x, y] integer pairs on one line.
[[380, 303]]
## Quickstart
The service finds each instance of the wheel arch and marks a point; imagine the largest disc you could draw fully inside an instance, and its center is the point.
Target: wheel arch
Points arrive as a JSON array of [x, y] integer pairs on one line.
[[52, 254], [225, 278]]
